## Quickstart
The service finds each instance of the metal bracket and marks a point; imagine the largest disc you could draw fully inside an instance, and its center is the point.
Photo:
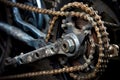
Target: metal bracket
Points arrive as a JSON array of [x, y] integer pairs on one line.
[[67, 46]]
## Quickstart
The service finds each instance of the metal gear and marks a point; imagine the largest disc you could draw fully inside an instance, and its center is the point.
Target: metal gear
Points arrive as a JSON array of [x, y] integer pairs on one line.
[[88, 14]]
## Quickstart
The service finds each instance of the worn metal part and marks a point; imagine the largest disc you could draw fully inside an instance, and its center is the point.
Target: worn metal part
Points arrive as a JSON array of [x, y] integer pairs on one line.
[[40, 16], [113, 50], [68, 45], [35, 55], [48, 72], [50, 50], [26, 25], [71, 44], [91, 16], [17, 33], [22, 36], [101, 59]]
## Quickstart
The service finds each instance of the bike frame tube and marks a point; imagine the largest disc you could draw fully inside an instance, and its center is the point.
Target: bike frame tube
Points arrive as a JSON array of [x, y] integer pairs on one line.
[[26, 25], [20, 35]]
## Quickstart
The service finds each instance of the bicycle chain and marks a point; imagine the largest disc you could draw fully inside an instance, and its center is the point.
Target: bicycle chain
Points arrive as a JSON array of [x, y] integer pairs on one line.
[[99, 22], [91, 16]]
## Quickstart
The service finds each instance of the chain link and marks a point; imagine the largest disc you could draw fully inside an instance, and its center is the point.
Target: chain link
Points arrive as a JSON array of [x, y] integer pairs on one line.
[[91, 16]]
